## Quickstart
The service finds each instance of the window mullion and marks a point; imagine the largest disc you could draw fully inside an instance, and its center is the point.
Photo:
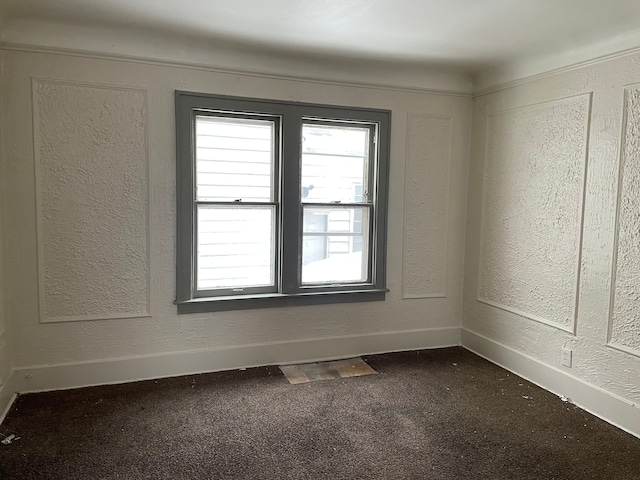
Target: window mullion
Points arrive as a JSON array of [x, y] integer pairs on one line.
[[290, 226]]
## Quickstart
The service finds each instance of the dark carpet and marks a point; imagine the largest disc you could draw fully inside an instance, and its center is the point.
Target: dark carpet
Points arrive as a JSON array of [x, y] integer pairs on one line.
[[436, 414]]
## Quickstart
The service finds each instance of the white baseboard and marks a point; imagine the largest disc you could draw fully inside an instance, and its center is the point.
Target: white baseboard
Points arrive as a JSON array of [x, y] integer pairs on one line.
[[610, 407], [8, 394], [595, 400], [122, 370]]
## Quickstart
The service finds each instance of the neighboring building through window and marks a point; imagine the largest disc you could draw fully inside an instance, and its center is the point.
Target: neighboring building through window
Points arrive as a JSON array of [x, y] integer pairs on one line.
[[279, 201]]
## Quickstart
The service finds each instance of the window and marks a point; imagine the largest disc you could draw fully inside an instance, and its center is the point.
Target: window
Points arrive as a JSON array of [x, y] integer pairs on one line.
[[278, 203]]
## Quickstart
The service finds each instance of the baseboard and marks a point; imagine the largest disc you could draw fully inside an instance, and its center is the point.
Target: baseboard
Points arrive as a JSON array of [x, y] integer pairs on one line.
[[610, 407], [122, 370], [8, 394], [595, 400]]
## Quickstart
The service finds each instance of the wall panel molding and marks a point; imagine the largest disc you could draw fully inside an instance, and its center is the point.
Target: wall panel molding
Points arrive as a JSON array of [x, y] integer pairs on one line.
[[533, 210], [92, 200], [623, 329], [427, 189]]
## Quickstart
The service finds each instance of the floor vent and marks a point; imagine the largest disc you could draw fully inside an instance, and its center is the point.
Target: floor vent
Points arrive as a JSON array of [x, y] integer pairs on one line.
[[312, 372]]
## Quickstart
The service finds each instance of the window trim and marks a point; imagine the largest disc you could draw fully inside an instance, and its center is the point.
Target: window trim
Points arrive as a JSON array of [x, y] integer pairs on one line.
[[289, 230]]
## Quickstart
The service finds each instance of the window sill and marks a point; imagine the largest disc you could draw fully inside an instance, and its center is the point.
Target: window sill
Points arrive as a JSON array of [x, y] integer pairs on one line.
[[273, 300]]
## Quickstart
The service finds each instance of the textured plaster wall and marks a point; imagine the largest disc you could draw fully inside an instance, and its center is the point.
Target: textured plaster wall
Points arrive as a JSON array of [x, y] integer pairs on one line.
[[534, 171], [625, 315], [5, 328], [92, 201], [426, 214], [80, 84], [532, 209]]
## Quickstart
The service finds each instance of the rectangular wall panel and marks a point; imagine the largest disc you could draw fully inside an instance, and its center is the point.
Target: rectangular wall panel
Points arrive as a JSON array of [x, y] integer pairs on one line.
[[426, 207], [532, 210], [90, 147], [624, 327]]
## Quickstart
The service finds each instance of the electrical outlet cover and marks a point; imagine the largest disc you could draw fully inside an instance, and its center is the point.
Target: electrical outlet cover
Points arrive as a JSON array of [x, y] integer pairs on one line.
[[567, 355]]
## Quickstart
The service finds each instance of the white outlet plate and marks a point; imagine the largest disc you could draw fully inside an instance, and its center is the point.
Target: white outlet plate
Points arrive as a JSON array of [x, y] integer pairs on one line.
[[567, 355]]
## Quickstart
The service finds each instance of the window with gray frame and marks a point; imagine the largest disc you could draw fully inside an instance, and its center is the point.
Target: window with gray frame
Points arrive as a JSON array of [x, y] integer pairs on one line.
[[278, 203]]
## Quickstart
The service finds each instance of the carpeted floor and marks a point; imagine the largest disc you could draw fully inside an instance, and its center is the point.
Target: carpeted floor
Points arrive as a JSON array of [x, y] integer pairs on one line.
[[437, 414]]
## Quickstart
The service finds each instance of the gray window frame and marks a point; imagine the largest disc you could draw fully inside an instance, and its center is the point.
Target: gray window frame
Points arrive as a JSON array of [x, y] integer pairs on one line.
[[289, 205]]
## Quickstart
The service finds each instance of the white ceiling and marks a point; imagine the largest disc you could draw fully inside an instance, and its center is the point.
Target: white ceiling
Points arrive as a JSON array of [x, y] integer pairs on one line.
[[470, 34]]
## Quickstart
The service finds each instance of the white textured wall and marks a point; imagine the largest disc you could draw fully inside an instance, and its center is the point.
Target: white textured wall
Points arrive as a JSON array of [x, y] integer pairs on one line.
[[76, 85], [5, 330], [529, 214], [534, 171], [426, 214], [92, 201], [625, 308]]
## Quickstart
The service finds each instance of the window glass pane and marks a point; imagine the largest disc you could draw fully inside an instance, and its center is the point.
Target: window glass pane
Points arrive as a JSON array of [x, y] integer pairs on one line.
[[234, 159], [235, 247], [335, 246], [334, 163]]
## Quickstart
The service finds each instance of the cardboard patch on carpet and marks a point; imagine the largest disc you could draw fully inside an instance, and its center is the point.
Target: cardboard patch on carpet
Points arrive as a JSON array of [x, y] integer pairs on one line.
[[312, 372]]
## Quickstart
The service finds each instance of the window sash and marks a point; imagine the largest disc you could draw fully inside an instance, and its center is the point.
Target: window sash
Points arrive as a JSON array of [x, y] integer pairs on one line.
[[217, 121], [367, 248], [363, 177], [244, 120], [272, 286]]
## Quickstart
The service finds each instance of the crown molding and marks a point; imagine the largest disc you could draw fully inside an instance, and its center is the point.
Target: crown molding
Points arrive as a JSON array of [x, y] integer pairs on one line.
[[185, 64], [492, 87]]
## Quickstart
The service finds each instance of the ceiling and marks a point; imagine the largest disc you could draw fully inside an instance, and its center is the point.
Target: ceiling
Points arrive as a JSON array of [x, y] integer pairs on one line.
[[469, 34]]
